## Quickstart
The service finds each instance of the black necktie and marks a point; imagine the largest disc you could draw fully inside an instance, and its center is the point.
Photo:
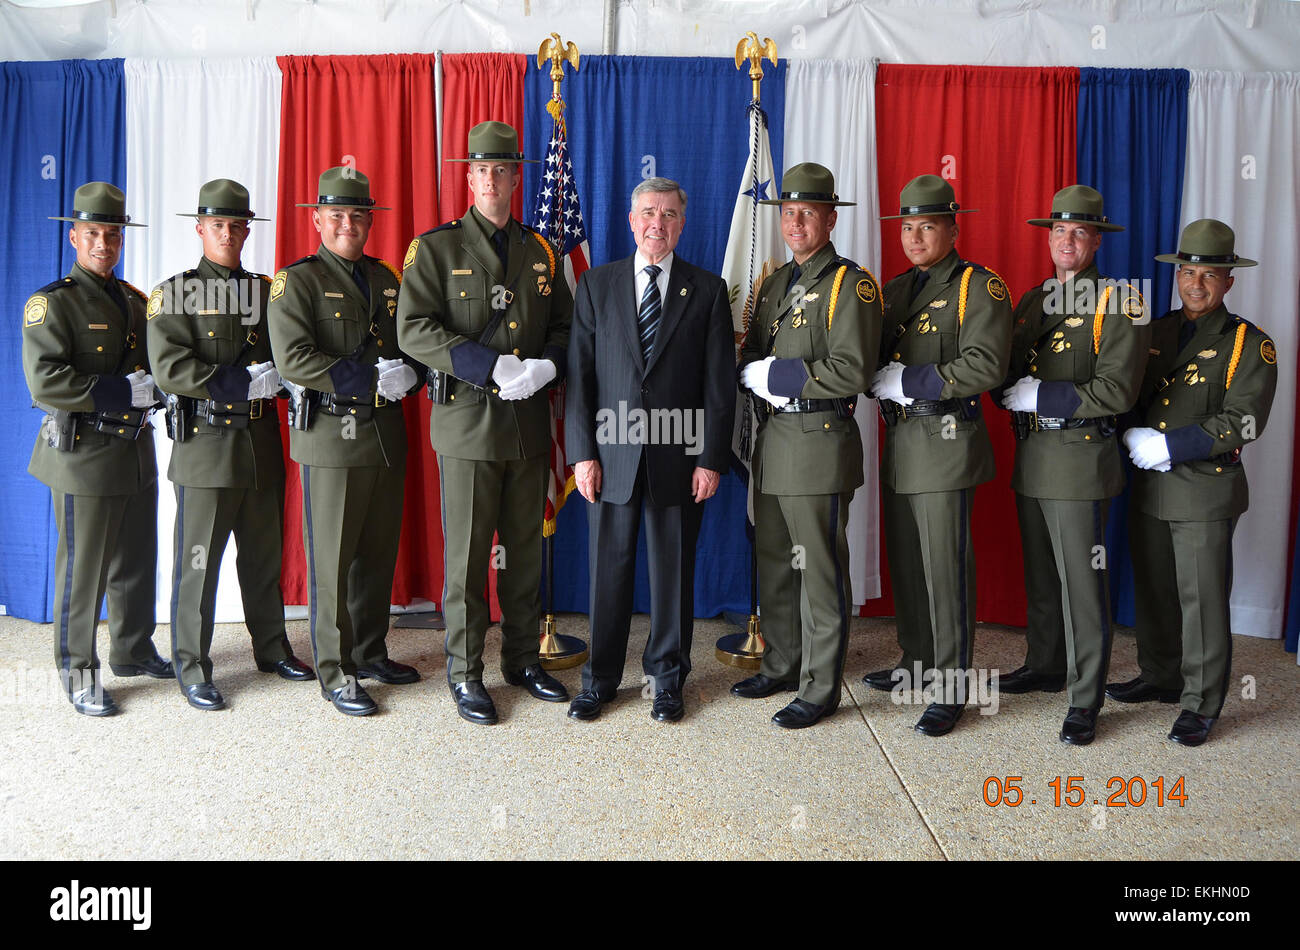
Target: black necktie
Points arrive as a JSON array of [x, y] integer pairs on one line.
[[647, 316], [918, 283], [1185, 333], [359, 277], [114, 291], [499, 242], [794, 278]]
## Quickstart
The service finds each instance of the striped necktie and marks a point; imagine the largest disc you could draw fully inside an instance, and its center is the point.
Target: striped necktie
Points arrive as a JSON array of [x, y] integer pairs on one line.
[[651, 309]]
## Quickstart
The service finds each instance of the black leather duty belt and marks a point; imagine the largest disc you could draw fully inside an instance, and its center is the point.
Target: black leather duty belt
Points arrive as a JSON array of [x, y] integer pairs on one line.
[[230, 415], [359, 407], [1052, 424], [843, 407]]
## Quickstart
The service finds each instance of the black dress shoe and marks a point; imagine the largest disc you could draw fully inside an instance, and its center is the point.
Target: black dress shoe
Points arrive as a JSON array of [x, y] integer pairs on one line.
[[474, 704], [204, 696], [1190, 728], [1025, 680], [801, 714], [539, 683], [351, 699], [1080, 726], [759, 686], [93, 702], [1138, 690], [290, 668], [387, 671], [939, 719], [155, 666], [586, 705], [668, 706]]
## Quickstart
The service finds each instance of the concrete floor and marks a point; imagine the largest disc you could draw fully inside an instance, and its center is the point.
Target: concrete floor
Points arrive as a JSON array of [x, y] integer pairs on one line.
[[281, 775]]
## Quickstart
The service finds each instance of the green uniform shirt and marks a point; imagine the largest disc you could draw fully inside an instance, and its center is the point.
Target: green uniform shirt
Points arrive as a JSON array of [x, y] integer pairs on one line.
[[827, 327], [1205, 418], [327, 336], [206, 326], [1087, 341], [954, 338], [77, 348], [453, 279]]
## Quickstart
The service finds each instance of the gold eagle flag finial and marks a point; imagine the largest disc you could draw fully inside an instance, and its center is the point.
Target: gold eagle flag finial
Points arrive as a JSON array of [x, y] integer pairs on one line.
[[557, 51], [752, 49]]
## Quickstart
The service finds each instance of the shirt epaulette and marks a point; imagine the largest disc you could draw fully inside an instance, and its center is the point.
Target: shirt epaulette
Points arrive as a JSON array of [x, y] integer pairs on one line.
[[134, 289], [390, 268], [301, 260], [449, 226], [55, 285]]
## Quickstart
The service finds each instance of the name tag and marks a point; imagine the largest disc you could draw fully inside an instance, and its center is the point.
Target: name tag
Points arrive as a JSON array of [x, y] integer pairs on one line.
[[461, 273], [99, 326], [333, 293], [208, 313]]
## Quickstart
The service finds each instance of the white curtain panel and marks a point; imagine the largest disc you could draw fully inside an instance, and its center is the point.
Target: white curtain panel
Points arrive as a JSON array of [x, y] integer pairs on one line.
[[190, 121], [1243, 136], [830, 118]]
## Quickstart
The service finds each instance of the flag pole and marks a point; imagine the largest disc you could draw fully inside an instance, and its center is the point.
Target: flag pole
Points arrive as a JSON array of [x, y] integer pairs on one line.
[[557, 651], [745, 650]]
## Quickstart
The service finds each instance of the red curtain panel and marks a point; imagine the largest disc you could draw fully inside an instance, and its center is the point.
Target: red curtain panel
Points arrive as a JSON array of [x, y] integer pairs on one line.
[[378, 114], [477, 87], [1005, 138]]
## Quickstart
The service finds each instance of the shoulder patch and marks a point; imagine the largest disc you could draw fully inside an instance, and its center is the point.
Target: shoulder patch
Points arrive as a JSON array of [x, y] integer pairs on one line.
[[997, 289], [1133, 304], [867, 290], [134, 289], [277, 285], [411, 251], [155, 303], [34, 312], [391, 269], [1267, 352], [449, 226]]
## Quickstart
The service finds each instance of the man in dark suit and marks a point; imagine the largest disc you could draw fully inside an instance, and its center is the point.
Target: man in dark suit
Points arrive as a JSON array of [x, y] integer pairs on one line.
[[650, 406]]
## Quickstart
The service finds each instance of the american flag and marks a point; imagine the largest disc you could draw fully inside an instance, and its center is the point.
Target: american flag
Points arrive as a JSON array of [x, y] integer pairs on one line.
[[559, 218]]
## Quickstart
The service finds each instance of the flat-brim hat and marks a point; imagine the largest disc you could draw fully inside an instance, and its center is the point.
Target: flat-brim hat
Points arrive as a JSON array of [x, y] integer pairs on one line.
[[1209, 243], [343, 187], [810, 183], [223, 198], [925, 195], [493, 142], [100, 202], [1077, 204]]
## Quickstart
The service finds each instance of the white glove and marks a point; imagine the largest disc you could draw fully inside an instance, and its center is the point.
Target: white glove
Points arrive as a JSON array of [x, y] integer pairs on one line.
[[507, 367], [264, 382], [1022, 396], [142, 396], [887, 383], [754, 378], [535, 375], [1138, 434], [396, 382], [1152, 453]]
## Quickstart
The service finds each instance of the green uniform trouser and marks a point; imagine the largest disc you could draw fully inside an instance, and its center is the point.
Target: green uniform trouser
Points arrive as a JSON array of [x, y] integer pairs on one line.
[[480, 498], [805, 608], [107, 543], [932, 572], [352, 522], [1182, 572], [205, 518], [1066, 586]]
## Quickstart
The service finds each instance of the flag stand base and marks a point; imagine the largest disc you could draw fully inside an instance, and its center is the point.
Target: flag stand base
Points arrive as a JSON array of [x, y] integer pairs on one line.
[[559, 651], [742, 650]]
